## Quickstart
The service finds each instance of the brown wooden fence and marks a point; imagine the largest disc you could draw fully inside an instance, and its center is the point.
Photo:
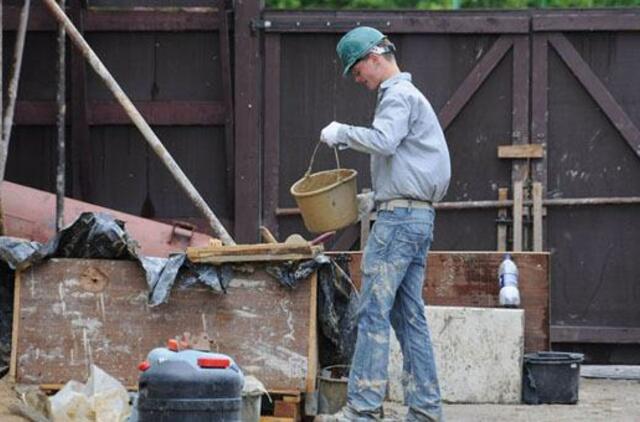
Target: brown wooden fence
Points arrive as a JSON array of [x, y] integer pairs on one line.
[[239, 97]]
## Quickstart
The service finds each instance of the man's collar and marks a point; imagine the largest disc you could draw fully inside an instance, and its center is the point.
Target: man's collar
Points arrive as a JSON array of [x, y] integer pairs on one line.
[[401, 76]]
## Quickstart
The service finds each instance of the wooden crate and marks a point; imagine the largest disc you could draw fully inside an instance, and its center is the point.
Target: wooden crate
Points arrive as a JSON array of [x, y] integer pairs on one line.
[[72, 312]]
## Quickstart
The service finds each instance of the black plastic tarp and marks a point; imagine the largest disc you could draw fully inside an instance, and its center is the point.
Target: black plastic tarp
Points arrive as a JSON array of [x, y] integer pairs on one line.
[[101, 236]]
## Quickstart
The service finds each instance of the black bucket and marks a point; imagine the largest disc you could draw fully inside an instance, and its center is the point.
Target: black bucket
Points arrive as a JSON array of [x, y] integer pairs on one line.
[[551, 377]]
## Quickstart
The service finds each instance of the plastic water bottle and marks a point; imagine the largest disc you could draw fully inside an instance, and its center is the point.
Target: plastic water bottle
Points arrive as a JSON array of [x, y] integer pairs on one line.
[[508, 279]]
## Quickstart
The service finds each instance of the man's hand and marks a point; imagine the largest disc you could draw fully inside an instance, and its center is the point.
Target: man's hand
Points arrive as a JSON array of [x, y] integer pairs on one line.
[[365, 204], [329, 135]]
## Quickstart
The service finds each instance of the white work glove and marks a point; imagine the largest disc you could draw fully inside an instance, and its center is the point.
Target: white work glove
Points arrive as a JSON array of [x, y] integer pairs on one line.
[[365, 204], [329, 135]]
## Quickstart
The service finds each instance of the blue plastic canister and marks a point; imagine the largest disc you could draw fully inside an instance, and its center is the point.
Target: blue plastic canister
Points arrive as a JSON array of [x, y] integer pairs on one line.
[[190, 386]]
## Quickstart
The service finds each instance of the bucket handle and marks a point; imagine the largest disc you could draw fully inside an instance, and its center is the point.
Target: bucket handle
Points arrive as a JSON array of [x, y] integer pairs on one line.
[[313, 157]]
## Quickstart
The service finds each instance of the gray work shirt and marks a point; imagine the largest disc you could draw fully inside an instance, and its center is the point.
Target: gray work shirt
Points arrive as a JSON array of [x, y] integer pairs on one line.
[[409, 155]]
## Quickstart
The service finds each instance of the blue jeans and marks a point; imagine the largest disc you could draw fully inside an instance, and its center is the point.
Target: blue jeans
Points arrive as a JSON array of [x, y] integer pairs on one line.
[[393, 269]]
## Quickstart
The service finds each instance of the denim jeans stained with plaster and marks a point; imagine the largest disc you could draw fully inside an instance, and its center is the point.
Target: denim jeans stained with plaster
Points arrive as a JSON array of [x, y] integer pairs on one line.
[[393, 271]]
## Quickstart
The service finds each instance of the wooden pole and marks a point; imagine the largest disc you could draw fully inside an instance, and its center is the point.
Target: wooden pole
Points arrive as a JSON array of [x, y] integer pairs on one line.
[[137, 119], [60, 121], [12, 89]]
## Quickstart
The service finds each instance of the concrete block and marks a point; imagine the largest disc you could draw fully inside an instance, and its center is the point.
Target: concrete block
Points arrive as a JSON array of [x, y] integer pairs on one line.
[[478, 352]]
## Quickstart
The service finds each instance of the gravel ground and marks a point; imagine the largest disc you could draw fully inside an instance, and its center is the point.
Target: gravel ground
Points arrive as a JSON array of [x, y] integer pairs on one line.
[[600, 400]]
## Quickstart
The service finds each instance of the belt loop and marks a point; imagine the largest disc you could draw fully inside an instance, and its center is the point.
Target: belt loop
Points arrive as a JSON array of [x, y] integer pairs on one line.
[[410, 204]]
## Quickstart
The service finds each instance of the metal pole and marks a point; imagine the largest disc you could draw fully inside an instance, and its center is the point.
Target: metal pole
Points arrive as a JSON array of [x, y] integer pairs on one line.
[[557, 202], [60, 121], [139, 121], [12, 90]]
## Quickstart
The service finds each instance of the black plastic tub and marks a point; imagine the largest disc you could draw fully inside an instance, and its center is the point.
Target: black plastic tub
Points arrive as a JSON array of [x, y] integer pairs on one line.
[[551, 377], [189, 386]]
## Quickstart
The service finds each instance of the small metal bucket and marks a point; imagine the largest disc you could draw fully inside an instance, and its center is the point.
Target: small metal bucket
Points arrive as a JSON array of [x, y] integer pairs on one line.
[[332, 388]]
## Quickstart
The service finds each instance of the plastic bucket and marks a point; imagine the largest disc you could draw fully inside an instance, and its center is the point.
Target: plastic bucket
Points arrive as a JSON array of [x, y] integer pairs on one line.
[[551, 377], [332, 389], [327, 199], [251, 404]]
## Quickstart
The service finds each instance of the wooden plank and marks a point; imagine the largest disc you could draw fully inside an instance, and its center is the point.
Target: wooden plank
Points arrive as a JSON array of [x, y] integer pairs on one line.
[[470, 279], [520, 151], [590, 334], [15, 328], [160, 113], [473, 81], [248, 114], [516, 215], [113, 327], [312, 354], [502, 216], [284, 409], [204, 253], [537, 216], [227, 89], [539, 104], [598, 91], [520, 109], [153, 19], [271, 131]]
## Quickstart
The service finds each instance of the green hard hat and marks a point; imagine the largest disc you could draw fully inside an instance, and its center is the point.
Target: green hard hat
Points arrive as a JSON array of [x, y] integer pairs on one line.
[[356, 44]]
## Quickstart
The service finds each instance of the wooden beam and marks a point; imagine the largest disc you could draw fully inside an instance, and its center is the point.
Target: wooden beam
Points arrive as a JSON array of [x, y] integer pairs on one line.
[[598, 91], [537, 216], [539, 104], [501, 235], [517, 215], [108, 112], [605, 20], [271, 171], [227, 91], [160, 113], [254, 252], [590, 334], [313, 351], [127, 19], [474, 80], [520, 151], [15, 328], [520, 109], [397, 22], [248, 113]]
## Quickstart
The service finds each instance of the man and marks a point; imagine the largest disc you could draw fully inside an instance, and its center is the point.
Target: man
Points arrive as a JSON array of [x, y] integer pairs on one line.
[[410, 170]]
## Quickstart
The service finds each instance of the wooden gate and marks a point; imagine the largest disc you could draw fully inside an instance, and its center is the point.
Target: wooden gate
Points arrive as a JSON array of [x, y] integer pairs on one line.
[[586, 111], [540, 114]]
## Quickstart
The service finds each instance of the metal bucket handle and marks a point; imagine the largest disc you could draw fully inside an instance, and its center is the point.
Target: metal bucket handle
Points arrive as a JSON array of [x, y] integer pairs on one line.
[[313, 157]]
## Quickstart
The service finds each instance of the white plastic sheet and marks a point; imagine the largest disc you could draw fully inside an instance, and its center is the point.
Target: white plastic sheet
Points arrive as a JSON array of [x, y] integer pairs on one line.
[[101, 399]]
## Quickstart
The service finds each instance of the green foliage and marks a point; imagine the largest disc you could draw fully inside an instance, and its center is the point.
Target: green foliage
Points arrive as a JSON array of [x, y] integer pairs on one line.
[[444, 4]]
